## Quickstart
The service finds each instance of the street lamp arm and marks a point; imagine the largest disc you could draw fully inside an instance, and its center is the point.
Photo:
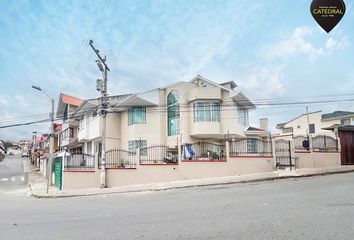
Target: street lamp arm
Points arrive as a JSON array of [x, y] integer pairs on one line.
[[40, 89]]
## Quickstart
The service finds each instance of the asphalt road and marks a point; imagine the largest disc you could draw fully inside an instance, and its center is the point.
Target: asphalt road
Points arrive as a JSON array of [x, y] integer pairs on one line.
[[309, 208], [12, 173]]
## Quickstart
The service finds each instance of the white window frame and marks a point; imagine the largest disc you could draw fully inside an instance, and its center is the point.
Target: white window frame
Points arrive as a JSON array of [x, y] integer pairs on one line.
[[131, 118], [203, 111], [242, 115]]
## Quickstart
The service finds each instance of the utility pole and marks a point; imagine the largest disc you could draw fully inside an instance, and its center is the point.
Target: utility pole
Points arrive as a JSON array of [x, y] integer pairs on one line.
[[102, 87], [308, 121], [51, 147]]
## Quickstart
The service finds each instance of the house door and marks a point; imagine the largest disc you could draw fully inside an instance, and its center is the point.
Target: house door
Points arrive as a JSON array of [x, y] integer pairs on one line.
[[347, 147], [58, 173]]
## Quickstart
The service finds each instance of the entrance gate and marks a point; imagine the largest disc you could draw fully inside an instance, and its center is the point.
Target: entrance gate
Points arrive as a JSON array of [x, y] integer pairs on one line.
[[58, 167], [347, 146], [283, 154]]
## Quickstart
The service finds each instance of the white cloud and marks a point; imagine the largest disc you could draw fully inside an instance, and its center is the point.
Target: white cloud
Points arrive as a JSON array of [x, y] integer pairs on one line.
[[264, 83], [300, 43], [3, 101], [21, 100]]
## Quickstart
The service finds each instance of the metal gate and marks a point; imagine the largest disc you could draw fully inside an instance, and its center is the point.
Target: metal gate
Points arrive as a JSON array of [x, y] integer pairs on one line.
[[58, 167], [283, 154], [347, 147]]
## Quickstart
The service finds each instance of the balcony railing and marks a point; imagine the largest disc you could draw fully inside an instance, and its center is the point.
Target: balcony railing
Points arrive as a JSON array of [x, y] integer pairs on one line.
[[203, 151]]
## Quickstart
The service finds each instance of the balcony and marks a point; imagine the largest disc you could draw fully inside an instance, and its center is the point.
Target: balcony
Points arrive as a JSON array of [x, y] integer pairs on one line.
[[206, 130], [90, 129]]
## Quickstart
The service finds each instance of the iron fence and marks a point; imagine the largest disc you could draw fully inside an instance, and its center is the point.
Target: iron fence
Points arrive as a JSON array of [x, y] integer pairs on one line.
[[80, 161], [119, 158], [324, 143], [158, 154], [301, 143], [251, 147], [204, 151]]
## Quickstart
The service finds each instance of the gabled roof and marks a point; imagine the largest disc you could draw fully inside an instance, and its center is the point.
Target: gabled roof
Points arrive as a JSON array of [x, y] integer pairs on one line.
[[199, 77], [70, 100], [253, 131], [238, 97], [232, 84], [149, 98], [64, 100], [336, 114], [281, 125], [90, 104], [243, 101]]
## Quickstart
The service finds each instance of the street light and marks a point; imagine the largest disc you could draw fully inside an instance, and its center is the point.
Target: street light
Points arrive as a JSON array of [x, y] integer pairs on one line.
[[51, 146]]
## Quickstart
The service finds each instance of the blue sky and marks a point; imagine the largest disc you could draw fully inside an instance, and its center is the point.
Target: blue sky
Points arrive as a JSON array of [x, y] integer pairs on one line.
[[272, 49]]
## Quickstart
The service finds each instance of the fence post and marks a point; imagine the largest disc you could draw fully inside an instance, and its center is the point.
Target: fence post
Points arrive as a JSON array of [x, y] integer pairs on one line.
[[310, 143], [274, 154], [179, 146], [137, 156], [227, 150], [96, 160], [290, 153]]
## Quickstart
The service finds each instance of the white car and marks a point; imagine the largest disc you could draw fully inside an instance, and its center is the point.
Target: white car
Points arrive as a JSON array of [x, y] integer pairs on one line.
[[24, 154]]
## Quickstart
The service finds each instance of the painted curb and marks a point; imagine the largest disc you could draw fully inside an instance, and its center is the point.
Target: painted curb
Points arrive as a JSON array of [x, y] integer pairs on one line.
[[41, 196]]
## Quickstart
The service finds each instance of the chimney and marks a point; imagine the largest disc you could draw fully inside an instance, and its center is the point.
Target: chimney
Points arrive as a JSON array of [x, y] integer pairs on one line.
[[263, 124]]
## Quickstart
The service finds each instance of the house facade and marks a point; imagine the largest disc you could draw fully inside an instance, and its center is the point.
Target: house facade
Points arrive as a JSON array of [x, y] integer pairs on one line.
[[185, 111], [188, 130], [315, 123]]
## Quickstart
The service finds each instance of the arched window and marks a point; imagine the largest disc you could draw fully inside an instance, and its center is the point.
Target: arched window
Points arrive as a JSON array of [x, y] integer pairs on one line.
[[173, 113]]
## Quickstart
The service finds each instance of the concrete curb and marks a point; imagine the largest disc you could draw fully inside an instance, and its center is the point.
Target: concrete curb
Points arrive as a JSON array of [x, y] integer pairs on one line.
[[157, 189]]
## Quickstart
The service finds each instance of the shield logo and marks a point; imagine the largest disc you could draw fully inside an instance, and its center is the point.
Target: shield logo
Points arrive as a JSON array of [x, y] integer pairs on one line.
[[327, 13]]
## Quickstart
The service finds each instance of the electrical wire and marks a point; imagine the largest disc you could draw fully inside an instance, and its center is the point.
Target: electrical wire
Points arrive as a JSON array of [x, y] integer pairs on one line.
[[183, 108]]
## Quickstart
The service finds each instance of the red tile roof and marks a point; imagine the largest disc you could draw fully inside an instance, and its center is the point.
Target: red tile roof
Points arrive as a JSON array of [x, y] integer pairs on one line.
[[70, 100]]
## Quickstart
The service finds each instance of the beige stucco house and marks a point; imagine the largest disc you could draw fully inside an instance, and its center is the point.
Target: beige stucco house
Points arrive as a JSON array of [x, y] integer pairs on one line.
[[314, 123], [185, 111], [187, 130]]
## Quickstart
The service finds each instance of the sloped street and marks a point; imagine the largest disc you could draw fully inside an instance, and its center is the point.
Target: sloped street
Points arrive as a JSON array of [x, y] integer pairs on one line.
[[319, 207]]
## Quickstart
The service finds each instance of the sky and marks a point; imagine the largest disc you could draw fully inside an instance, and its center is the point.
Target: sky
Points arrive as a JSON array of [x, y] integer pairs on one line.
[[273, 50]]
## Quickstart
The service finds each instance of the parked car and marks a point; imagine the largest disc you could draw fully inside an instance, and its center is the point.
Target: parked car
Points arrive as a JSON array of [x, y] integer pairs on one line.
[[11, 153], [24, 154]]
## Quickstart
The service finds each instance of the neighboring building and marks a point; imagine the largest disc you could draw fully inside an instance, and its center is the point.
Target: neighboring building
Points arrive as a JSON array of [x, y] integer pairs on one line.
[[67, 105], [25, 147], [315, 122], [188, 112]]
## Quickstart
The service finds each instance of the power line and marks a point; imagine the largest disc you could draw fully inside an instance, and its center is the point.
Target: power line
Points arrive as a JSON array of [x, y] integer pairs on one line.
[[162, 108], [85, 46], [183, 109]]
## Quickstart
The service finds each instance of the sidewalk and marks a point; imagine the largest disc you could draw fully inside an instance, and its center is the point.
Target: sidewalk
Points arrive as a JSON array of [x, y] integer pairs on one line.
[[38, 183]]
